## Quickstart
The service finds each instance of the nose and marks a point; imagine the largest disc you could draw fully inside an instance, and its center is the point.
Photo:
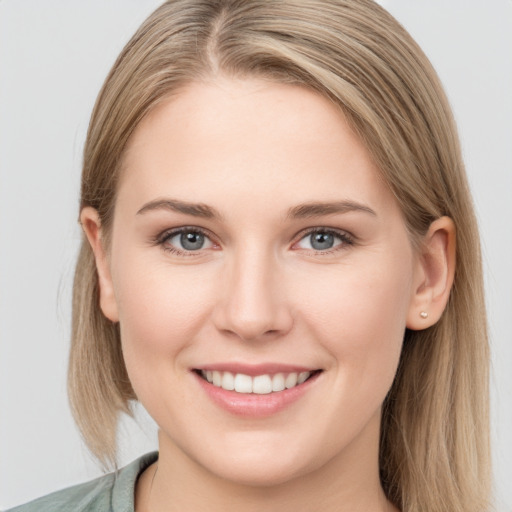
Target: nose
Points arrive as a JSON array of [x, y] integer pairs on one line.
[[253, 304]]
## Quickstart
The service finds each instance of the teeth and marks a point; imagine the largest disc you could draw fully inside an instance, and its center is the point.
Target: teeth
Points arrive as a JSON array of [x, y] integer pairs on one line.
[[260, 385], [217, 379], [290, 381], [243, 383], [228, 381], [302, 377], [278, 382]]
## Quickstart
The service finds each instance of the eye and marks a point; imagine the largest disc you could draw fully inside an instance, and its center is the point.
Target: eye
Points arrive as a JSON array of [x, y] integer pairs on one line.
[[185, 240], [322, 240]]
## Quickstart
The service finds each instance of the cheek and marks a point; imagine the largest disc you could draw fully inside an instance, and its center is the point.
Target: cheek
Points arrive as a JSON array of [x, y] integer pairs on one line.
[[158, 296], [161, 308], [360, 320]]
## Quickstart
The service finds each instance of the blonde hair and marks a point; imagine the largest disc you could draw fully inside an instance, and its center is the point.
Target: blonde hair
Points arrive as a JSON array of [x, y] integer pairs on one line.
[[434, 451]]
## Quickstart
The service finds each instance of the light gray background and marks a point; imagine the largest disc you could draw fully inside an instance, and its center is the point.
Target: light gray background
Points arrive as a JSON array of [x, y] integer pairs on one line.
[[54, 56]]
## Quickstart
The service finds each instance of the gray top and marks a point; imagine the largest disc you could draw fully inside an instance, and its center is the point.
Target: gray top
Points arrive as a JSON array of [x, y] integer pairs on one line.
[[110, 493]]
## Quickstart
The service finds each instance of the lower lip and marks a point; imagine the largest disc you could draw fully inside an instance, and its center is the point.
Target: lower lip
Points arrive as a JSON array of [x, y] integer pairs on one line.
[[251, 404]]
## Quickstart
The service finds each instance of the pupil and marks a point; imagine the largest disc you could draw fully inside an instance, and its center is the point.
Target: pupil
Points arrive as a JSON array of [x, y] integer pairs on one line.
[[192, 241], [322, 241]]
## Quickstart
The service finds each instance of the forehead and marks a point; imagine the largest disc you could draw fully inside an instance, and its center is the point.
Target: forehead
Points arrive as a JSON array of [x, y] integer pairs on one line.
[[254, 138]]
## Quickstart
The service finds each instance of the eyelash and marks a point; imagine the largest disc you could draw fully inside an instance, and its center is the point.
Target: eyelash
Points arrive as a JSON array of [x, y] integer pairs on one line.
[[346, 238], [165, 236]]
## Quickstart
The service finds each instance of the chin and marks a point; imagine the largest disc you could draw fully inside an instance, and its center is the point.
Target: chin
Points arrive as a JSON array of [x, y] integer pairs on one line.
[[260, 472], [260, 459]]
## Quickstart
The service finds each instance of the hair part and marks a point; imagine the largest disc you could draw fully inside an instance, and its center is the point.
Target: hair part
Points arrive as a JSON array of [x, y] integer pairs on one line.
[[434, 451]]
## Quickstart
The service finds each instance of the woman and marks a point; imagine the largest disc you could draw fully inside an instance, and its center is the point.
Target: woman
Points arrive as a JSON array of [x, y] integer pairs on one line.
[[281, 263]]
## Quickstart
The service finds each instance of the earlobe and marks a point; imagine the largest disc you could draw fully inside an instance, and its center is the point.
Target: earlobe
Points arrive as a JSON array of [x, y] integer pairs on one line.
[[91, 224], [434, 275]]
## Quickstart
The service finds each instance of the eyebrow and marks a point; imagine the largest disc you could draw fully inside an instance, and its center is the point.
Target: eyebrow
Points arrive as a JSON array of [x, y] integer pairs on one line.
[[307, 210], [302, 211], [194, 209]]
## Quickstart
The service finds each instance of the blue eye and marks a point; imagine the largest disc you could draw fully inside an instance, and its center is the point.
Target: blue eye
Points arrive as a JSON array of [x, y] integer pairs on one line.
[[323, 240], [186, 240]]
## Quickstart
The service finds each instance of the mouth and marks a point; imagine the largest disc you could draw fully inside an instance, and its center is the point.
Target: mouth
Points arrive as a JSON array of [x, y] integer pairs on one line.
[[263, 384]]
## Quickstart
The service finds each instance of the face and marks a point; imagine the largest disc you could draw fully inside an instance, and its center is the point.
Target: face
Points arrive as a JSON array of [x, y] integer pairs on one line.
[[255, 247]]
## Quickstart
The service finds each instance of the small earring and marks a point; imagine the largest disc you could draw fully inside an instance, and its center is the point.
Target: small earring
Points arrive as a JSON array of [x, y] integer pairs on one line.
[[424, 314]]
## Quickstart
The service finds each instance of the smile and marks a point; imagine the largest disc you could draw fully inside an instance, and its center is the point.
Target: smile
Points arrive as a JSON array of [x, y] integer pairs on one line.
[[258, 384], [256, 391]]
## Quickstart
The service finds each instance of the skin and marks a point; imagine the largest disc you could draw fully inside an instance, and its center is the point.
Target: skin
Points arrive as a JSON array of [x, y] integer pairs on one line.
[[258, 292]]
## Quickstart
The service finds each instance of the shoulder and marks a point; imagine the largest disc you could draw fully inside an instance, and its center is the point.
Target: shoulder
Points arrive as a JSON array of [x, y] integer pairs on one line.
[[110, 493], [94, 495]]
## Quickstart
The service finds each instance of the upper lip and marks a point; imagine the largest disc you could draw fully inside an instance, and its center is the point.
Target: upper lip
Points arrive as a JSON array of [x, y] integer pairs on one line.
[[256, 369]]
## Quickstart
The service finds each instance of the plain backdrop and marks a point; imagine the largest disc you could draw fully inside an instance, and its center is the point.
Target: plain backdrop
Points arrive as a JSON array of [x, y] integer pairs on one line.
[[54, 56]]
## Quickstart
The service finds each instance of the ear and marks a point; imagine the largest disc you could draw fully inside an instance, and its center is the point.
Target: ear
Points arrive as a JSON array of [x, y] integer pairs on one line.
[[433, 276], [91, 224]]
